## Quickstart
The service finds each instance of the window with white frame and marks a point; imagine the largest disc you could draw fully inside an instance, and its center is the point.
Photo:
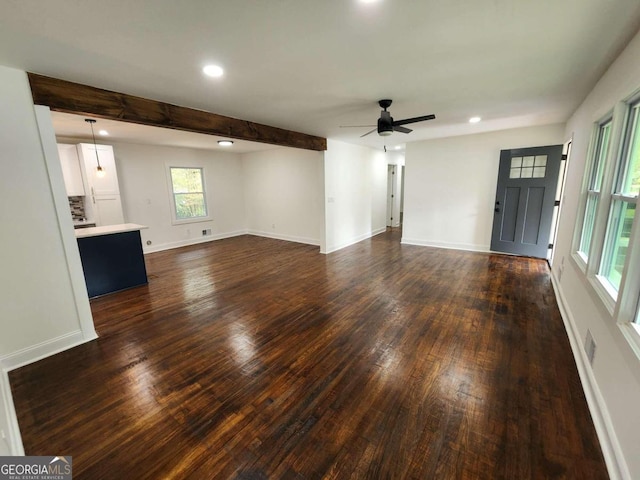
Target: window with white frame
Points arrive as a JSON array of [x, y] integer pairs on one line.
[[593, 187], [189, 200], [626, 187], [608, 236]]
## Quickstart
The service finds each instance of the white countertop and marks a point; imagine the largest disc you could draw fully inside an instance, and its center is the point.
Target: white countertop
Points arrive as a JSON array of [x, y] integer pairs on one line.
[[108, 230], [83, 222]]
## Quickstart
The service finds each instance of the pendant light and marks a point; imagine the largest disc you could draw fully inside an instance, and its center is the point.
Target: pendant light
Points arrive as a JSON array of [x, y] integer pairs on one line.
[[99, 170]]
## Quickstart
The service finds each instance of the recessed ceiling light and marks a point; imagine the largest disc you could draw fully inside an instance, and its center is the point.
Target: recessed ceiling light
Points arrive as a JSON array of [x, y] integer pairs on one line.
[[369, 1], [104, 133], [474, 119], [225, 143], [397, 147], [213, 71]]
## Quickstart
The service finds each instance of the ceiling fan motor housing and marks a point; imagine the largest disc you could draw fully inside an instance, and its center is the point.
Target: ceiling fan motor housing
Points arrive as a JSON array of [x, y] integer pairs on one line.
[[385, 124]]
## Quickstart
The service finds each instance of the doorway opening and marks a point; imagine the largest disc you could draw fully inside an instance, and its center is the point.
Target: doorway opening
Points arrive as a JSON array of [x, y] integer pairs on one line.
[[395, 195], [564, 163]]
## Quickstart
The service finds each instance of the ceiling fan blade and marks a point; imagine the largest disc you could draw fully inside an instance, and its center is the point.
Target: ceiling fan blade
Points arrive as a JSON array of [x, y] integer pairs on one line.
[[371, 131], [402, 129], [413, 120], [356, 126]]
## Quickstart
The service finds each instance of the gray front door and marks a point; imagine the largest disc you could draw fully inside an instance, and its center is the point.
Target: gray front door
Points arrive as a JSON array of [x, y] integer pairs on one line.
[[525, 196]]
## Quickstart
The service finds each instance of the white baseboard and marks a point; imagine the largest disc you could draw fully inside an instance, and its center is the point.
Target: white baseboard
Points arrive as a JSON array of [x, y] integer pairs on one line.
[[469, 247], [378, 231], [191, 241], [613, 455], [220, 236], [288, 238], [42, 350], [9, 418], [19, 359], [353, 241]]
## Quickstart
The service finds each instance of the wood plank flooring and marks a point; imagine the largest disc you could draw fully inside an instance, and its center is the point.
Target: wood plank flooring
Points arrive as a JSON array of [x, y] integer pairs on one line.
[[253, 358]]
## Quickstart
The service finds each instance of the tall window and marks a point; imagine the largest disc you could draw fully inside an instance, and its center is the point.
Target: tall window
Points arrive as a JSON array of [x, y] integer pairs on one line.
[[593, 188], [609, 228], [623, 205], [188, 193]]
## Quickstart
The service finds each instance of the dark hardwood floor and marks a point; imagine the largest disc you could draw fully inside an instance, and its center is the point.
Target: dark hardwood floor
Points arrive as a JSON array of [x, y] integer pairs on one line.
[[253, 358]]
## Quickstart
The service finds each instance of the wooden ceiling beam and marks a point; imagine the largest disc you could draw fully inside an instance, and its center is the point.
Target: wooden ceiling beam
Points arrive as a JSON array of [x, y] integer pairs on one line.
[[69, 97]]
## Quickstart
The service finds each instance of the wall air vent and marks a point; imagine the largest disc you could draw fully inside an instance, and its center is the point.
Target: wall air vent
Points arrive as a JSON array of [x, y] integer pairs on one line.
[[590, 347]]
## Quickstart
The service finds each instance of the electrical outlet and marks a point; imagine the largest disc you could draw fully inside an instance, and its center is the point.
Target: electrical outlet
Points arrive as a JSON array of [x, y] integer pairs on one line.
[[206, 231], [7, 444]]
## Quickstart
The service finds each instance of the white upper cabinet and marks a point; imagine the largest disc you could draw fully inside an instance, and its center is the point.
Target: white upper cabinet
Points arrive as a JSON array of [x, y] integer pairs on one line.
[[102, 204], [107, 184], [71, 170]]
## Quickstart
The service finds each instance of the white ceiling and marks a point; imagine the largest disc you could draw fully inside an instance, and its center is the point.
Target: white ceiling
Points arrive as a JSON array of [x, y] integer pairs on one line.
[[311, 66]]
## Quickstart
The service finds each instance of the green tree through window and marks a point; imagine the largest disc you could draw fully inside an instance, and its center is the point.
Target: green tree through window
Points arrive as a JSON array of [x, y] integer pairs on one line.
[[188, 193]]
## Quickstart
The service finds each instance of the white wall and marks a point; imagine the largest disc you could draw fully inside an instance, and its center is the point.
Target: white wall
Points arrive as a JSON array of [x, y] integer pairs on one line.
[[355, 194], [146, 193], [283, 194], [36, 297], [450, 185], [40, 313], [613, 384], [394, 158]]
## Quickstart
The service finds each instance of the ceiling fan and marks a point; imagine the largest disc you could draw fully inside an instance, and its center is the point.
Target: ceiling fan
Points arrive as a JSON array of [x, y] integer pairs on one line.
[[387, 125]]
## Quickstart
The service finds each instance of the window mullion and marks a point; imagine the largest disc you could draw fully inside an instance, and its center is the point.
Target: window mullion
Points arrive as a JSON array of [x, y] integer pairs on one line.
[[609, 173], [624, 198]]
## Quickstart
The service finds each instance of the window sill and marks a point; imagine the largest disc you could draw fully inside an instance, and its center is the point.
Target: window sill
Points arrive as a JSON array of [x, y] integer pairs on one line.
[[580, 261], [631, 332], [606, 294], [191, 220]]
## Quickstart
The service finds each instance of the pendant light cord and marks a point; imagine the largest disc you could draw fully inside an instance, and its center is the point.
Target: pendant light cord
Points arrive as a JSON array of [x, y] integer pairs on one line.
[[91, 122]]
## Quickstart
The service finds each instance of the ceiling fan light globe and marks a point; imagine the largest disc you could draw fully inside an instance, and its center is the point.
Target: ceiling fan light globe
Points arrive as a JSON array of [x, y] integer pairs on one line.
[[385, 133]]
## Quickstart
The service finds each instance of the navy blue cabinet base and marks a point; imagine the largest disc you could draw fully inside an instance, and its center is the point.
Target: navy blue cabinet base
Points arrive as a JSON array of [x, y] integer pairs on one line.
[[112, 262]]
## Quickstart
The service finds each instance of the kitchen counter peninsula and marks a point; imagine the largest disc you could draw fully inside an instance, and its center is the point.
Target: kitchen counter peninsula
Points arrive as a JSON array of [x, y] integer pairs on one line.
[[112, 258]]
